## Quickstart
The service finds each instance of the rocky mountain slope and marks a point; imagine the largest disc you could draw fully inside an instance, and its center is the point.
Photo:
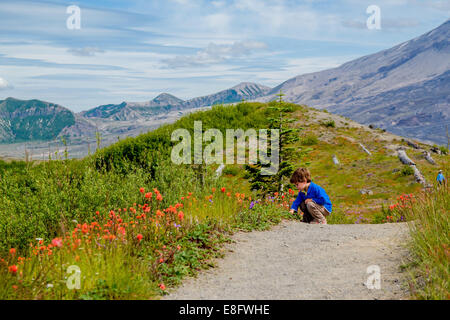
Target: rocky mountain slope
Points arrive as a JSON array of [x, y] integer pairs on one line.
[[166, 102], [244, 90], [134, 110], [404, 89]]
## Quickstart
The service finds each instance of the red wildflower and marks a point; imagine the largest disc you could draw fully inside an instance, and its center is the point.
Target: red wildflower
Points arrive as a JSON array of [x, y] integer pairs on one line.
[[139, 237], [181, 215], [159, 197], [12, 269], [222, 190], [12, 251], [148, 195], [57, 242], [85, 228], [162, 286], [141, 190]]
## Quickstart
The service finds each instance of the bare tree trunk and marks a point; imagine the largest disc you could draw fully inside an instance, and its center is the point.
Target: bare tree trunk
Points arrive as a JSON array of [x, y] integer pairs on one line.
[[418, 176], [365, 150], [404, 157], [412, 144], [428, 157]]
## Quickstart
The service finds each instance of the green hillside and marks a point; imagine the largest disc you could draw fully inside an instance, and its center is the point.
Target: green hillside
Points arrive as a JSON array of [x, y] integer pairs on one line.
[[136, 222], [28, 120]]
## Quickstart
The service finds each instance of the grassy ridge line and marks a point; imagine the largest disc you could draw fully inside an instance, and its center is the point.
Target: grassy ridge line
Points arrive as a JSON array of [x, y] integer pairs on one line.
[[145, 148]]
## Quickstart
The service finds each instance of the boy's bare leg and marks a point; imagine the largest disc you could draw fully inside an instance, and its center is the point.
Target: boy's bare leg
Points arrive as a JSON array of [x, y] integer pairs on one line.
[[317, 212]]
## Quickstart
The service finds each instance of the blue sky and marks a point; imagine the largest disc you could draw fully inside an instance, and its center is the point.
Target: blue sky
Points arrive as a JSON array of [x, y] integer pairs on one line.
[[133, 50]]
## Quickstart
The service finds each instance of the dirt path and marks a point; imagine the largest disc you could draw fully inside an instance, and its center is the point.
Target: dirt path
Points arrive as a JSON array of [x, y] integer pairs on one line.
[[294, 260]]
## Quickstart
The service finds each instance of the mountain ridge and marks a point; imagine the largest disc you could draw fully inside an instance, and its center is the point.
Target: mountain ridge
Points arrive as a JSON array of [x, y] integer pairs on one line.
[[356, 88]]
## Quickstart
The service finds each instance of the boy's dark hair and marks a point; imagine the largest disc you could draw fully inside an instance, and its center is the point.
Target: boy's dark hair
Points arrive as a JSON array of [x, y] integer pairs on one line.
[[300, 175]]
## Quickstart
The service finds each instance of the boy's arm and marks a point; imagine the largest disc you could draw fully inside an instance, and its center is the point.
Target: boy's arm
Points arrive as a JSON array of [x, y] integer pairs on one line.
[[297, 201]]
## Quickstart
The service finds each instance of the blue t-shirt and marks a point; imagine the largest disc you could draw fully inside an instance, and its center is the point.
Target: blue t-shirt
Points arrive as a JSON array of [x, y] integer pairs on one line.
[[316, 193], [440, 177]]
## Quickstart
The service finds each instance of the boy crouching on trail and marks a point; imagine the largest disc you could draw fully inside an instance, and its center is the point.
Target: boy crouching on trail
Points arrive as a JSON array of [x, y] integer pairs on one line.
[[316, 204]]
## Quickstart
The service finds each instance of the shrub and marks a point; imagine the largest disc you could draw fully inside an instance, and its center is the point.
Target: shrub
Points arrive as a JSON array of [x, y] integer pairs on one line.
[[407, 171], [329, 124], [231, 170], [309, 140], [443, 149]]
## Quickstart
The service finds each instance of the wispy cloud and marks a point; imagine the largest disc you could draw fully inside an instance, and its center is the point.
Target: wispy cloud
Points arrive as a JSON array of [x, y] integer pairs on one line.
[[85, 52], [389, 24], [215, 53]]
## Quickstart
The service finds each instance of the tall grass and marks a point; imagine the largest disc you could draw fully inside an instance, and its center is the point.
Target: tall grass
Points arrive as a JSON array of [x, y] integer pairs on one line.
[[428, 216], [431, 244]]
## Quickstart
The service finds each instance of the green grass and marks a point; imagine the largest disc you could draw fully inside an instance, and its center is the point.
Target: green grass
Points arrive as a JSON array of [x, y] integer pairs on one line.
[[430, 244]]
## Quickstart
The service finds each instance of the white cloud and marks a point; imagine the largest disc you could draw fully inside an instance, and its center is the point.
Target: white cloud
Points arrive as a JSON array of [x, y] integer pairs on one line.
[[4, 84], [215, 53]]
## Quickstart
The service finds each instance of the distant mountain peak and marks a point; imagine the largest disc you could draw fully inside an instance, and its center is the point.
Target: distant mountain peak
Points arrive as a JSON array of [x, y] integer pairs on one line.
[[246, 85], [165, 95], [167, 98]]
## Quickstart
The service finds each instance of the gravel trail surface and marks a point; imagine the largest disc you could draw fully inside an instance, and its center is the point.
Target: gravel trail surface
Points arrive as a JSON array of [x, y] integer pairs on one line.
[[294, 260]]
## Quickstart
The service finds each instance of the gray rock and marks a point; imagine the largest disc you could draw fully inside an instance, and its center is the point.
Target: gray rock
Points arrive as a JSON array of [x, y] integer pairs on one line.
[[366, 191]]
